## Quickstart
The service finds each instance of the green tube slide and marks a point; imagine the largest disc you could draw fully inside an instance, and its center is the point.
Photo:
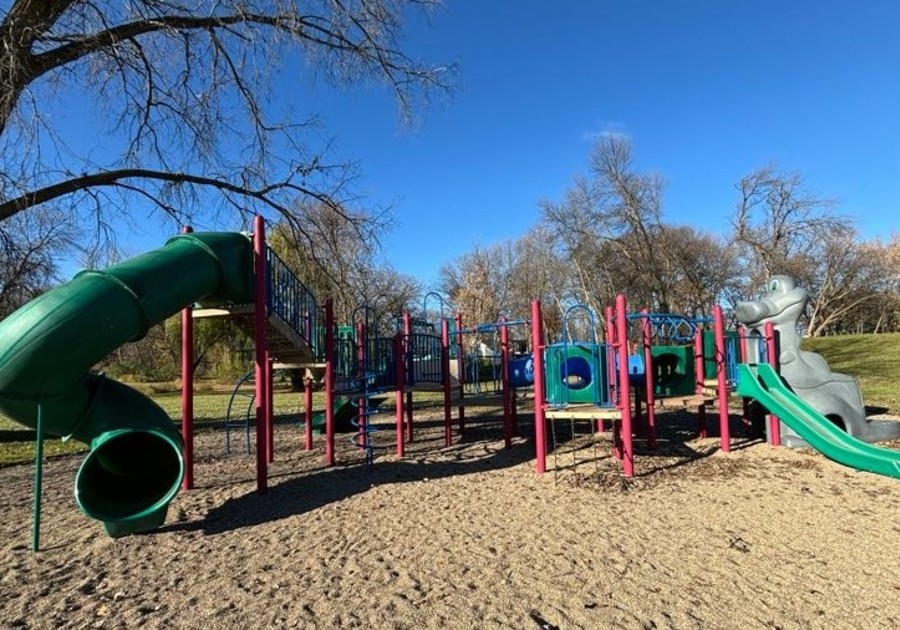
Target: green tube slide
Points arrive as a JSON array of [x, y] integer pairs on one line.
[[47, 348], [761, 382]]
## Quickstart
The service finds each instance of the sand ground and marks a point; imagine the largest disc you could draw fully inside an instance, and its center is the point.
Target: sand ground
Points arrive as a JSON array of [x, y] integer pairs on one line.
[[470, 537]]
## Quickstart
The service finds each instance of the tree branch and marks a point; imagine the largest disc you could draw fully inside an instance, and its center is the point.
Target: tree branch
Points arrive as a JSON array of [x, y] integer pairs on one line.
[[114, 177]]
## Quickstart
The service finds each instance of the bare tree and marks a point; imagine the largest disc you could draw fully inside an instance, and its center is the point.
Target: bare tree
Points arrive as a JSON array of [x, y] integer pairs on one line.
[[30, 246], [850, 283], [478, 283], [610, 225], [777, 221], [180, 92], [698, 268]]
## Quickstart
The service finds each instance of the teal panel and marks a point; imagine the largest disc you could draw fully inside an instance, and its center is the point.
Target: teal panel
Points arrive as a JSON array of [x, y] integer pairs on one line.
[[673, 370], [576, 374]]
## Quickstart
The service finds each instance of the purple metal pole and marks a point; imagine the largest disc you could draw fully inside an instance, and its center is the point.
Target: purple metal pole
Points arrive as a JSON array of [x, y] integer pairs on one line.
[[537, 349], [187, 390], [461, 372], [259, 260], [620, 397], [700, 382], [407, 349], [721, 378]]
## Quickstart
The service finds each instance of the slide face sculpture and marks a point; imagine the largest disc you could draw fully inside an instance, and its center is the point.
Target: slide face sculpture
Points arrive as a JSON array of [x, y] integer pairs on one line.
[[835, 396], [48, 346]]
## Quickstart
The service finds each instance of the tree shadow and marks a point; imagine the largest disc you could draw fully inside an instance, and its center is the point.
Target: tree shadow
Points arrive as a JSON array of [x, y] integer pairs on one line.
[[18, 435], [299, 492], [676, 445]]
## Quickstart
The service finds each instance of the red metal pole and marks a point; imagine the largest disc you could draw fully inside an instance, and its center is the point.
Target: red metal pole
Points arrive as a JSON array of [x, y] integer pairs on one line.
[[504, 376], [537, 349], [329, 382], [461, 371], [445, 370], [721, 378], [308, 403], [361, 403], [622, 331], [700, 382], [649, 385], [398, 395], [772, 351], [187, 390], [259, 253], [407, 363]]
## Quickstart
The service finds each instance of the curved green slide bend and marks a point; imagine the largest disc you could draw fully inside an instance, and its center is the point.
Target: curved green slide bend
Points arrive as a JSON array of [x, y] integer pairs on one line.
[[760, 381], [48, 346]]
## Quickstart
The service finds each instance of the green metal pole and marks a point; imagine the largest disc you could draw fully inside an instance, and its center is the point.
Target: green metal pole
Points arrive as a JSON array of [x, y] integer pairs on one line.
[[38, 480]]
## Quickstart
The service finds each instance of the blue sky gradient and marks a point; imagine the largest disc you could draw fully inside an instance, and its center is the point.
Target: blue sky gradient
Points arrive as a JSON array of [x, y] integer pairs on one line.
[[707, 90]]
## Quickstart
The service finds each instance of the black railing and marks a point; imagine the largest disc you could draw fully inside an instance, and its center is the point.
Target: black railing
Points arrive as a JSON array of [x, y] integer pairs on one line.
[[290, 300], [423, 359]]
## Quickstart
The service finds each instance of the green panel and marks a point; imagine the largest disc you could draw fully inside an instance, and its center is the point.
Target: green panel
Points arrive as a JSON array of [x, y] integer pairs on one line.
[[761, 382], [576, 374], [673, 370], [709, 349]]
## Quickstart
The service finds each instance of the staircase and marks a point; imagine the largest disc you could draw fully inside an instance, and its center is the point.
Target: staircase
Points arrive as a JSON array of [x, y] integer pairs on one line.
[[291, 316]]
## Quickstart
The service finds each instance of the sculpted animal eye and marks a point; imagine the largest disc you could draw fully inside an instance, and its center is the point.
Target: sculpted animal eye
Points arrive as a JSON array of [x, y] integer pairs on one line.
[[774, 285]]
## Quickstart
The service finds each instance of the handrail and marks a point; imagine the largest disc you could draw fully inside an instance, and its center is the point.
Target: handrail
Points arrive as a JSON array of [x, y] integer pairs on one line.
[[289, 299]]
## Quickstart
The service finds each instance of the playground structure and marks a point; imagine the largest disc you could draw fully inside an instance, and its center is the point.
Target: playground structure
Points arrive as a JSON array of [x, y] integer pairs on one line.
[[592, 378], [691, 363], [491, 373], [138, 460]]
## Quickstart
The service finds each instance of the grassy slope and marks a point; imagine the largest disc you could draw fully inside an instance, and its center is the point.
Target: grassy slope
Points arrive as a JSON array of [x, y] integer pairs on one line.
[[873, 359]]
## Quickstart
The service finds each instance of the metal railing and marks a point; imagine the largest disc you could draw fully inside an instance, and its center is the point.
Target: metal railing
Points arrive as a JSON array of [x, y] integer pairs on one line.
[[290, 300]]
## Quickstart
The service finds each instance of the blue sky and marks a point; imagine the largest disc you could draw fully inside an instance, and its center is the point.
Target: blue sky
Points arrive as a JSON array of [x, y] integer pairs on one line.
[[708, 90]]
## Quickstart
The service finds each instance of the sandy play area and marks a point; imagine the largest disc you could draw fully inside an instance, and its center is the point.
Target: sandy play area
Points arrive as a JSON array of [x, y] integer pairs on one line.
[[470, 537]]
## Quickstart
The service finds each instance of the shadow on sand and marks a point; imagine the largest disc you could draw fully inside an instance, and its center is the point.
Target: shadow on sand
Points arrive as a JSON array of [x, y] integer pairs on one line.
[[477, 451]]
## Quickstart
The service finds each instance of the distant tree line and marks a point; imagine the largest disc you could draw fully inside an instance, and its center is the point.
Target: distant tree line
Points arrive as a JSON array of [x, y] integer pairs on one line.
[[608, 234]]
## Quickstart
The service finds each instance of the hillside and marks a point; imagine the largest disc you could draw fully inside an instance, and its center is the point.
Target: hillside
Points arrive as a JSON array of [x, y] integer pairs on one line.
[[873, 359]]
